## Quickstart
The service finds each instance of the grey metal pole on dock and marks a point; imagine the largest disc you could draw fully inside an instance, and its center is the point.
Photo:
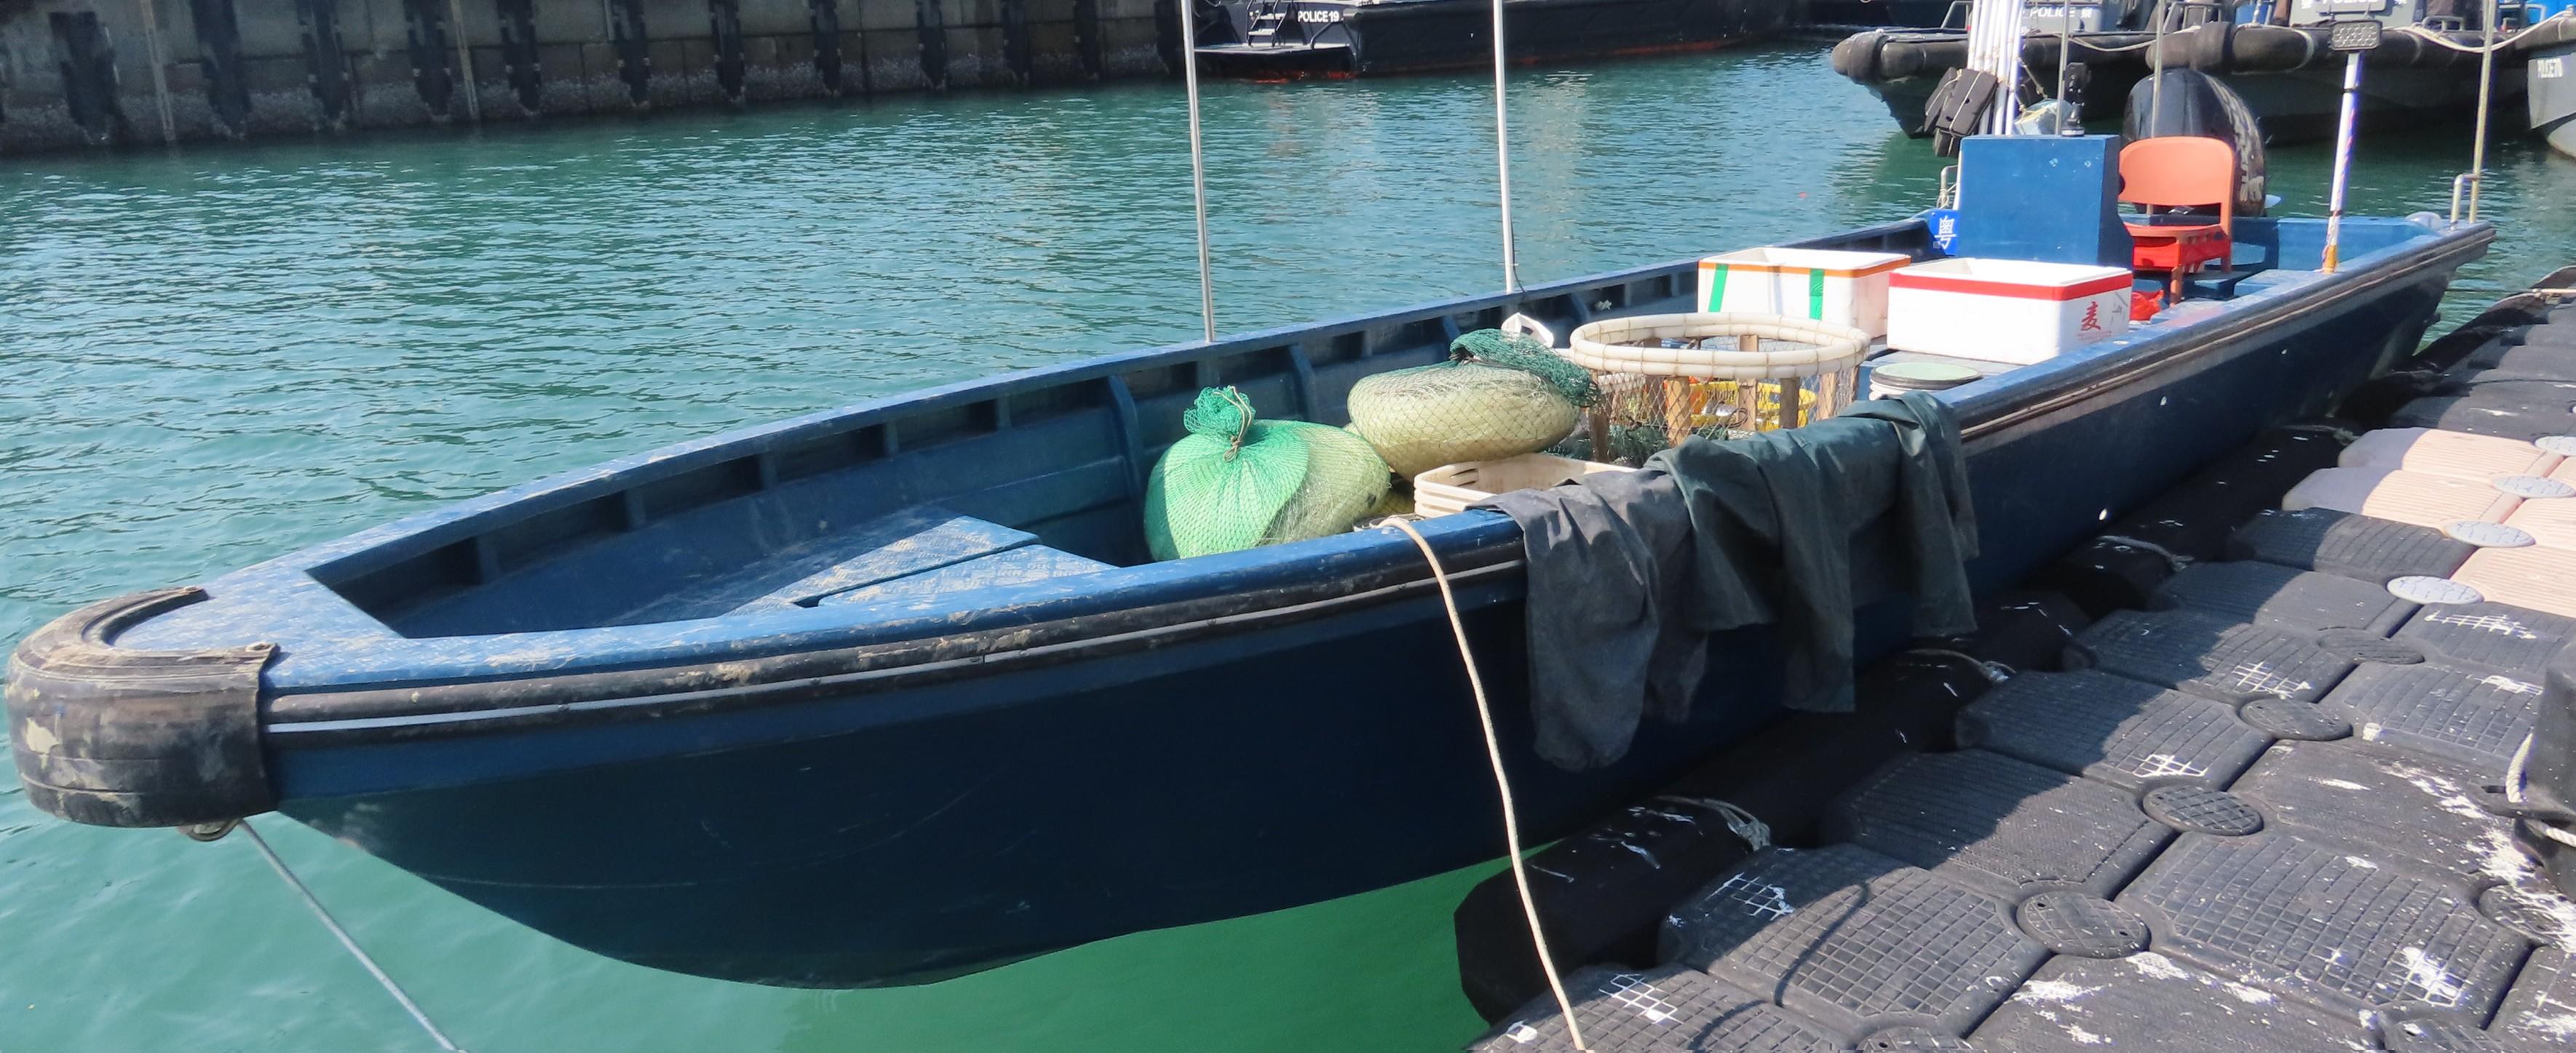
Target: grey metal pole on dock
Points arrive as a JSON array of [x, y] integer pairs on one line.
[[160, 75], [464, 60]]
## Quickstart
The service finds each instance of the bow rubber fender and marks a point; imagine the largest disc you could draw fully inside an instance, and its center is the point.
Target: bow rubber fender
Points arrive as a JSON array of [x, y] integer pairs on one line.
[[1856, 56], [115, 736]]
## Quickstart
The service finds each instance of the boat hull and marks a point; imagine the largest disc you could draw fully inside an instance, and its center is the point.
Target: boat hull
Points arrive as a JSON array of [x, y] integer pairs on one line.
[[2293, 89], [1337, 38], [905, 828], [2552, 86]]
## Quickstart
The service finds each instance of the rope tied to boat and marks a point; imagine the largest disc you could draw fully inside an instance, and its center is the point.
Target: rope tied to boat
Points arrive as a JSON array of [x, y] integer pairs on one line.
[[1994, 672], [1746, 827], [2488, 48], [2176, 559], [1503, 784], [346, 941]]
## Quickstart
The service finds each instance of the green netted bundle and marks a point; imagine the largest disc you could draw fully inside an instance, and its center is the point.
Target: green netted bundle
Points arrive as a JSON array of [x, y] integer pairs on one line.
[[1236, 481], [1498, 395]]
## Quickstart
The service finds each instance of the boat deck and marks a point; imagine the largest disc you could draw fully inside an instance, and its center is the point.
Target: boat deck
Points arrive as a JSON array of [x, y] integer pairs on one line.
[[2248, 815]]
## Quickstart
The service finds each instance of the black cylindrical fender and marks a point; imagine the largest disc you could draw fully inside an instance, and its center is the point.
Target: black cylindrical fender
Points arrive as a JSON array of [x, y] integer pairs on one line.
[[115, 736]]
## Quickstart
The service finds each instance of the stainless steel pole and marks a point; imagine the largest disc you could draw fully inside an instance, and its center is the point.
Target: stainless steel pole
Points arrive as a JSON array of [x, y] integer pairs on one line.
[[2342, 158], [2486, 91], [1503, 155], [1198, 163]]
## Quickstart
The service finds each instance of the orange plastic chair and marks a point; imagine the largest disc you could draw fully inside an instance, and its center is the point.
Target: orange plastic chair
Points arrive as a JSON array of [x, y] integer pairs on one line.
[[2175, 171]]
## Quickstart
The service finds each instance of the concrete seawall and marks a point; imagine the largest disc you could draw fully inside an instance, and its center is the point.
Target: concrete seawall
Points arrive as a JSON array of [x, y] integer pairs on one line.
[[95, 73]]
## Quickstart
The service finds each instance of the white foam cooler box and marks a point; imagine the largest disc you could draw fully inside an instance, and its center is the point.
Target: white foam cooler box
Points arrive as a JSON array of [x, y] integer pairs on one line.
[[1834, 286], [2011, 311]]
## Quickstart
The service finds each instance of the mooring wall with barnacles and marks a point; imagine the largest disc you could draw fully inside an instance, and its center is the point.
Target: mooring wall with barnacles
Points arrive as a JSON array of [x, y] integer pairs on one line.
[[77, 73]]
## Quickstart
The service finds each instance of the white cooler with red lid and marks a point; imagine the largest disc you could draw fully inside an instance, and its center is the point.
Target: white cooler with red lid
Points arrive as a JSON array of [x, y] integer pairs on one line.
[[2013, 311]]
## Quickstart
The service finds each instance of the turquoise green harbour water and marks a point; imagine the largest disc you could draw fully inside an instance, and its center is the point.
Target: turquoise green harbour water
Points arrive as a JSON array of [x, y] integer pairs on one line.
[[218, 355]]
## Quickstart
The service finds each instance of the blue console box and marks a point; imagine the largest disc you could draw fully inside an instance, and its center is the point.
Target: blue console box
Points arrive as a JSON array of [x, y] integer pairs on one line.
[[2049, 198]]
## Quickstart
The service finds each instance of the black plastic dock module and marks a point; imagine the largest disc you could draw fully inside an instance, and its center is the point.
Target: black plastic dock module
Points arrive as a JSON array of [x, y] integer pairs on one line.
[[2261, 811]]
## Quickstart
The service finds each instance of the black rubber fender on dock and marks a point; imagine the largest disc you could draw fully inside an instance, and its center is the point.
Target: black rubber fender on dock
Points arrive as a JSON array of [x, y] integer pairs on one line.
[[1602, 892], [115, 736], [2504, 322], [2122, 569]]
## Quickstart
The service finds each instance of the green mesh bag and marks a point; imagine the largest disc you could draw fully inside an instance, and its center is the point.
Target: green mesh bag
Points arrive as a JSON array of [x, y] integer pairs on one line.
[[1236, 481], [1497, 396]]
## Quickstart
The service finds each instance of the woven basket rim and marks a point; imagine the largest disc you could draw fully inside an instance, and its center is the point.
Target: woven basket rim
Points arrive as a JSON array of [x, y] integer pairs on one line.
[[1836, 347]]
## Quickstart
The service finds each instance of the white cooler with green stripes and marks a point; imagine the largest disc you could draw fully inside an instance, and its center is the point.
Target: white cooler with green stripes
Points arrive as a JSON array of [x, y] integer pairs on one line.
[[1827, 285]]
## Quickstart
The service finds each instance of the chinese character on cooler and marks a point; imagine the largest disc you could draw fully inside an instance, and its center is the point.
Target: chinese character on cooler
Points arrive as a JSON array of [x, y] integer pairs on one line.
[[2092, 316]]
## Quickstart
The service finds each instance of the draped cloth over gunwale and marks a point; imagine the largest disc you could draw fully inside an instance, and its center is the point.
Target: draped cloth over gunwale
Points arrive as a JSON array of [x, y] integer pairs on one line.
[[1629, 572]]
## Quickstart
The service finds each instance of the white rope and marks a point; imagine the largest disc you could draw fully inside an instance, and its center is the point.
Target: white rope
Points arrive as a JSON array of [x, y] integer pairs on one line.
[[354, 950], [2175, 559], [1198, 163], [1994, 672], [2337, 433], [2492, 45], [1503, 158], [1502, 784]]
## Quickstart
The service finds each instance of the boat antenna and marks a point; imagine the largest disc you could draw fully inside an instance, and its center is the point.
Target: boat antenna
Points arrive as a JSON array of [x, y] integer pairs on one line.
[[1994, 47], [2065, 45], [1503, 162], [1189, 11]]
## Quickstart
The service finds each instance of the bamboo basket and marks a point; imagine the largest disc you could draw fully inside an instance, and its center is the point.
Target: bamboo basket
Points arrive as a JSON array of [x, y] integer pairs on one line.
[[1738, 373]]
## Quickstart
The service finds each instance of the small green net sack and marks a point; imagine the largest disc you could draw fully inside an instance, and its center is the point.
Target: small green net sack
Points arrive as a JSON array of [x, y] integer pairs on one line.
[[1236, 481], [1499, 395]]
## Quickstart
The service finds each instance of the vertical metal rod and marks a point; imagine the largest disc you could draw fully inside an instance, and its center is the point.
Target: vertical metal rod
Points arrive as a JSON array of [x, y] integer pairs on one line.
[[2156, 80], [1198, 162], [333, 924], [160, 75], [464, 60], [2486, 91], [2008, 55], [1503, 156], [2065, 44], [2343, 158]]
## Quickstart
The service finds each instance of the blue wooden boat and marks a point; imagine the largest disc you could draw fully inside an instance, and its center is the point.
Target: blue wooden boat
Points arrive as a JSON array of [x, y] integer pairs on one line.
[[889, 693]]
